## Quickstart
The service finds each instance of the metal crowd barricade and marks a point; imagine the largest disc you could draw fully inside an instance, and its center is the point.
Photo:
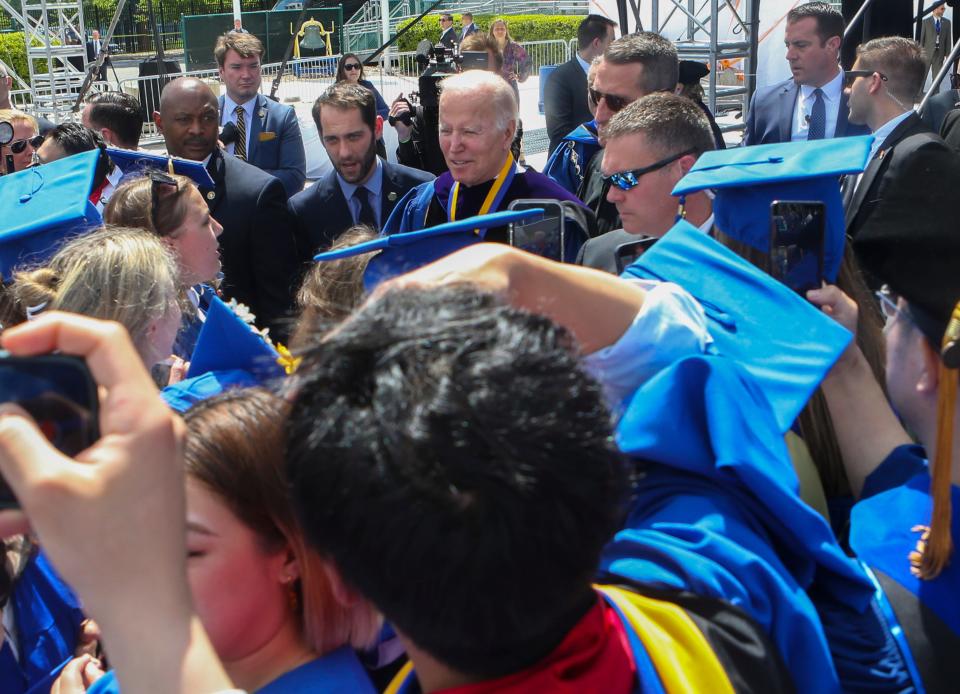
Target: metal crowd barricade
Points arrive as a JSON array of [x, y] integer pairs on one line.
[[540, 53], [304, 80]]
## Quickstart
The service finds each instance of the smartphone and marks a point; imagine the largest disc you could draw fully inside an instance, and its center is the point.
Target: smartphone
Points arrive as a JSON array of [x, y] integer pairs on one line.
[[545, 236], [628, 253], [61, 396], [797, 229]]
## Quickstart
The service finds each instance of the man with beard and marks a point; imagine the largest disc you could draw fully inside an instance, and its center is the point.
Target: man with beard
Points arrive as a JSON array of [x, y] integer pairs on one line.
[[257, 246], [362, 188]]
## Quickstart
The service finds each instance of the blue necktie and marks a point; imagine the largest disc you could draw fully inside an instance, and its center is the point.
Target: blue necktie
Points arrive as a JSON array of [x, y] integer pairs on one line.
[[818, 117], [367, 215]]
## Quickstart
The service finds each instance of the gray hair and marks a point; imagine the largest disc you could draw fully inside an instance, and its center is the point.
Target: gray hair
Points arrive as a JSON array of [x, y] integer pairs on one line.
[[499, 94], [657, 55], [668, 122]]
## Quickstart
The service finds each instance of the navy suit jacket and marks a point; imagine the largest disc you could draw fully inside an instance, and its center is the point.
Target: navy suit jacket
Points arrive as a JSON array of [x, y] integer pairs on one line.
[[770, 118], [257, 246], [276, 145], [321, 213], [565, 101]]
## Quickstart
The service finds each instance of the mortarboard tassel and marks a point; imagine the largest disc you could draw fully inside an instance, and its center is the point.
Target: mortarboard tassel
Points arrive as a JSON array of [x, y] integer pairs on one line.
[[938, 545]]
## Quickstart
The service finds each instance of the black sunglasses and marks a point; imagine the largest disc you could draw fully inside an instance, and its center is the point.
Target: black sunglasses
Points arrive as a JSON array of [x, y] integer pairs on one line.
[[851, 75], [352, 66], [18, 146], [162, 186], [614, 103], [628, 180]]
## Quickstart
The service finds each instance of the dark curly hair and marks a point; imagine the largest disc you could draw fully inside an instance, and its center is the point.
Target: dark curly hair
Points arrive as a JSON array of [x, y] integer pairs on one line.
[[450, 456]]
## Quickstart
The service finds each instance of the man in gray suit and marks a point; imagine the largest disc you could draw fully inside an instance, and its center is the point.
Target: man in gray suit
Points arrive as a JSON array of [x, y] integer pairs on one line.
[[268, 134], [936, 39]]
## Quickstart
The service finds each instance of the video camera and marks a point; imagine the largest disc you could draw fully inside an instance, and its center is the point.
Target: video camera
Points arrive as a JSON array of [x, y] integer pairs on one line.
[[437, 59]]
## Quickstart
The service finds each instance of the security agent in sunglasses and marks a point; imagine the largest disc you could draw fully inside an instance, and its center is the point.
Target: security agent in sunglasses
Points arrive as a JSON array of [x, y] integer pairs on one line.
[[652, 144], [632, 66]]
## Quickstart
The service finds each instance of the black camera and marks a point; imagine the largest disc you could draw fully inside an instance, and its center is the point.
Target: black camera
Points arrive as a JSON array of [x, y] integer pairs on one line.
[[412, 101]]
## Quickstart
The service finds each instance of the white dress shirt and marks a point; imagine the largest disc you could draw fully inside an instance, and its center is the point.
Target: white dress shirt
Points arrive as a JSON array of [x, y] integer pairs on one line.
[[832, 92], [229, 116]]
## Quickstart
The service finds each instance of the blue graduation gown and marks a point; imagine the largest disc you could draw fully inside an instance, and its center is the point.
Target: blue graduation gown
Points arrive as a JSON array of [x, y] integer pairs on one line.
[[48, 619], [337, 672], [567, 166], [427, 204]]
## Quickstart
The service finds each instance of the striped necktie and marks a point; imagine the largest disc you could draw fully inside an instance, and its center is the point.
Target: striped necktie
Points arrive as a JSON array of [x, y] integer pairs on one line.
[[240, 146]]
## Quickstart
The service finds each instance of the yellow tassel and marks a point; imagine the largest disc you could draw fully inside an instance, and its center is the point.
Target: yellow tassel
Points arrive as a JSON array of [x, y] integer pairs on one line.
[[939, 545]]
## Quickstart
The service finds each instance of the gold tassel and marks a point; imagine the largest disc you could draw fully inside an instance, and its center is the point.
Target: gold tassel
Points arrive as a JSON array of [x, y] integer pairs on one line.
[[937, 544]]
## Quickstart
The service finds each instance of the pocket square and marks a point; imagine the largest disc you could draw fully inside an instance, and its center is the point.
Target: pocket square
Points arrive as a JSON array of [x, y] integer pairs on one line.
[[267, 136]]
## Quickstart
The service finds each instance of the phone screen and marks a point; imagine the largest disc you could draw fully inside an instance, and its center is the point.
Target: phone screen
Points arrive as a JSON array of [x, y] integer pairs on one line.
[[544, 236], [796, 243], [60, 395], [628, 253]]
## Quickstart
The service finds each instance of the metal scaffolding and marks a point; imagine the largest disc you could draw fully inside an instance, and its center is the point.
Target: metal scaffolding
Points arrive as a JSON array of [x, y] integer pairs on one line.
[[700, 40], [53, 31]]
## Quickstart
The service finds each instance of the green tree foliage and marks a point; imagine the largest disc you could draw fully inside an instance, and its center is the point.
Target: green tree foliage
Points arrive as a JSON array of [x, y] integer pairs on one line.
[[522, 27]]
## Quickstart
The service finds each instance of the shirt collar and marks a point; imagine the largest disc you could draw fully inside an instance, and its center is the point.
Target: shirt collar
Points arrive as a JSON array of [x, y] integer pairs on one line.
[[374, 185], [831, 90], [583, 63], [883, 132], [229, 106]]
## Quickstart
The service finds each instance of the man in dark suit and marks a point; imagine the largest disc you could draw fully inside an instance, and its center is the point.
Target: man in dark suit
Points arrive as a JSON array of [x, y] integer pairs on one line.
[[448, 35], [260, 260], [938, 106], [271, 138], [362, 188], [811, 105], [936, 39], [908, 160], [466, 19], [94, 47], [565, 93], [652, 131]]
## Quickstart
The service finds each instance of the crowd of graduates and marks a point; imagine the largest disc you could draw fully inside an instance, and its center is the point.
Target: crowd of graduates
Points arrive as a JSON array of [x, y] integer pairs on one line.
[[352, 439]]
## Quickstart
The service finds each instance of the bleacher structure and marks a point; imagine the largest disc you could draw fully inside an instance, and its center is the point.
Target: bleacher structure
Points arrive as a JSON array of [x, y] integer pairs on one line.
[[56, 54]]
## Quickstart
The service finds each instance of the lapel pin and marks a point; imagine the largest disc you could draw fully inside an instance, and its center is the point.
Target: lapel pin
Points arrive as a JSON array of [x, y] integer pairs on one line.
[[211, 194], [262, 113], [392, 196]]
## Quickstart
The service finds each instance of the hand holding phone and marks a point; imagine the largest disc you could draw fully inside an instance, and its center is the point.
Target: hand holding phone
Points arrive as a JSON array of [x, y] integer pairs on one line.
[[58, 392], [797, 231]]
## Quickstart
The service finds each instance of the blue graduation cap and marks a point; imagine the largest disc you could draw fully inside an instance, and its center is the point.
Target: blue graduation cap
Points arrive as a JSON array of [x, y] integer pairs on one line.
[[43, 205], [780, 339], [747, 179], [132, 161], [402, 253], [227, 343]]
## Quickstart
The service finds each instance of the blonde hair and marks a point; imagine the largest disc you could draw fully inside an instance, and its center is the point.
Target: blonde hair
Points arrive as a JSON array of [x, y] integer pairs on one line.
[[132, 205], [332, 289], [15, 118], [113, 273]]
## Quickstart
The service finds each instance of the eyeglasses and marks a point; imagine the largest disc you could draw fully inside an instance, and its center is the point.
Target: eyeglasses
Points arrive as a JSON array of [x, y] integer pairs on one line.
[[352, 66], [162, 186], [18, 146], [628, 180], [888, 302], [614, 103], [850, 76]]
